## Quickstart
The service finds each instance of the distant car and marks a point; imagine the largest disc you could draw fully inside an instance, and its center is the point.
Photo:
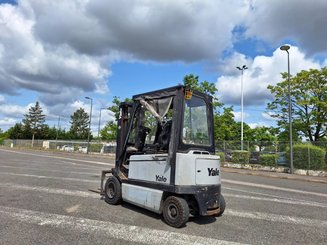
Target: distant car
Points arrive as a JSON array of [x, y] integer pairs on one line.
[[82, 149], [67, 148]]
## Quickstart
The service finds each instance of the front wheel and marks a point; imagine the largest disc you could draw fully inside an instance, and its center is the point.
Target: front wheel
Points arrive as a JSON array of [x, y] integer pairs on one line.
[[175, 211], [112, 191]]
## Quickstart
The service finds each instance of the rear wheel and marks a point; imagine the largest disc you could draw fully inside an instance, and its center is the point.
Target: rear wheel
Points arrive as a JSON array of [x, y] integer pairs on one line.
[[112, 191], [222, 205], [175, 211]]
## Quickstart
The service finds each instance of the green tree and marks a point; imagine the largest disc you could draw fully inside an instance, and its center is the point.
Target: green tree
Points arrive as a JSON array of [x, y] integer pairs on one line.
[[309, 103], [264, 136], [109, 132], [225, 125], [192, 82], [16, 132], [34, 121], [79, 128]]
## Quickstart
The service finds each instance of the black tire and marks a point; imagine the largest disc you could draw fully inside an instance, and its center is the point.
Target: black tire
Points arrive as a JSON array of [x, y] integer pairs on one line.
[[112, 191], [222, 205], [175, 211]]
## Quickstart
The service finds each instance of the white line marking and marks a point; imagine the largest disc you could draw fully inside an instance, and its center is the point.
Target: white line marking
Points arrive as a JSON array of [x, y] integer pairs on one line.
[[52, 170], [50, 177], [276, 197], [85, 194], [293, 202], [74, 193], [56, 157], [117, 231], [273, 187], [278, 218]]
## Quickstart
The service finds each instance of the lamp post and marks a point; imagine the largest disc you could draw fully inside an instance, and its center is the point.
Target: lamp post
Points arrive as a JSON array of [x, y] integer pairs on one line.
[[286, 48], [58, 129], [88, 136], [100, 120], [242, 70]]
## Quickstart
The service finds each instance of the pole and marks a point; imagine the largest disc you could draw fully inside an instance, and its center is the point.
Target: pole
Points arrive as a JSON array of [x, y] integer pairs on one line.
[[57, 130], [88, 136], [242, 111], [242, 117], [99, 123], [290, 112], [286, 48]]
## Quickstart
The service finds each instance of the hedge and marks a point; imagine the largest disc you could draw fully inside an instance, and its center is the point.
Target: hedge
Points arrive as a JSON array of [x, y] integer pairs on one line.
[[268, 159], [241, 157], [302, 153], [221, 155]]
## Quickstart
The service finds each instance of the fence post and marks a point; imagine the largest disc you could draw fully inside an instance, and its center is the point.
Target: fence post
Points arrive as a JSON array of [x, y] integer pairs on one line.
[[309, 158]]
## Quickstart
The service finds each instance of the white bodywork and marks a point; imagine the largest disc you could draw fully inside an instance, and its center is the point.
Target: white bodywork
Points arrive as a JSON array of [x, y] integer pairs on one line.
[[142, 196], [191, 170], [154, 168]]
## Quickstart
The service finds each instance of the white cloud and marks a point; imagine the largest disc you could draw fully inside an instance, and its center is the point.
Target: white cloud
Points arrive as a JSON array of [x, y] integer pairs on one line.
[[15, 111], [262, 71], [7, 122], [301, 20], [64, 49], [238, 115], [268, 116], [258, 124]]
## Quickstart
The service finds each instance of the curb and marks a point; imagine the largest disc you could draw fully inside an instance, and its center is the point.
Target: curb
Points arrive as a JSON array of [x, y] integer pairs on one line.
[[276, 176]]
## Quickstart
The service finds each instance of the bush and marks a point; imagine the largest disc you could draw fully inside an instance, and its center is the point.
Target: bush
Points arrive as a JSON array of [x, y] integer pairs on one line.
[[221, 155], [307, 156], [241, 157], [95, 147], [268, 159]]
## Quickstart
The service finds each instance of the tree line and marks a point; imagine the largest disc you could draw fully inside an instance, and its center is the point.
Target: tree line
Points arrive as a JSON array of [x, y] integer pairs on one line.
[[309, 114], [33, 126]]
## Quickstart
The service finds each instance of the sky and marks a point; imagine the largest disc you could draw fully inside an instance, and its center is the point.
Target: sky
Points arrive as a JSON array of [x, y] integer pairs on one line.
[[59, 52]]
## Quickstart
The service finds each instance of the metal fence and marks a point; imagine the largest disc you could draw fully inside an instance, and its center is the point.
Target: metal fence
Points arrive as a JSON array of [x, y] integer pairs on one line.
[[280, 149], [66, 146], [255, 150]]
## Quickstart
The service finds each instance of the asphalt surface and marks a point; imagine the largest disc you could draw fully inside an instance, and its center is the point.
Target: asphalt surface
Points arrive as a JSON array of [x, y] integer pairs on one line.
[[44, 199]]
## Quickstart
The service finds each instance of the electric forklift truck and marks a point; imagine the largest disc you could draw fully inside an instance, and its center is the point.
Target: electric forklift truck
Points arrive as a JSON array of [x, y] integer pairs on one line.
[[165, 158]]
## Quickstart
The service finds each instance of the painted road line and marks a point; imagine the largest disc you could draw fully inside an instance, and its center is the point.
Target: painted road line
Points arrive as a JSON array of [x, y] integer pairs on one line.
[[277, 200], [275, 188], [51, 170], [50, 177], [74, 193], [277, 218], [56, 157], [86, 194], [124, 232], [275, 196]]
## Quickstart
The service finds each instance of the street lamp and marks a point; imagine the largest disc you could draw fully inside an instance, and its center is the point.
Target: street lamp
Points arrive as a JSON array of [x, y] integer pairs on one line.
[[58, 129], [242, 70], [88, 136], [286, 48], [100, 120]]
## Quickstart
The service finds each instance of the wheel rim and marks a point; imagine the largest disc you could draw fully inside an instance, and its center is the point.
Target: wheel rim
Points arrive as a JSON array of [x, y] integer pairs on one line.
[[111, 190], [172, 211]]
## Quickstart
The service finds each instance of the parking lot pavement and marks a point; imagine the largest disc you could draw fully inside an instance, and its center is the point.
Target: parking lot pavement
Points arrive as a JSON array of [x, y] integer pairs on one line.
[[316, 179], [44, 199]]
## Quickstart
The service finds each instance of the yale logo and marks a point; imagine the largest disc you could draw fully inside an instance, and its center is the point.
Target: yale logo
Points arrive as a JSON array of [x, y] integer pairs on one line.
[[161, 178], [213, 172]]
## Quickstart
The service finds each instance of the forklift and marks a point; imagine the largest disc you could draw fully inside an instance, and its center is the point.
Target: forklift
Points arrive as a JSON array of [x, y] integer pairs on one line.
[[165, 157]]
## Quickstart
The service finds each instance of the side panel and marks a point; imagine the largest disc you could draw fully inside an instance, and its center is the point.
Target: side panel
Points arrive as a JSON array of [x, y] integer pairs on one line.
[[142, 196], [207, 171], [153, 168], [197, 169]]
